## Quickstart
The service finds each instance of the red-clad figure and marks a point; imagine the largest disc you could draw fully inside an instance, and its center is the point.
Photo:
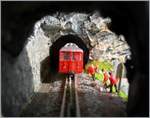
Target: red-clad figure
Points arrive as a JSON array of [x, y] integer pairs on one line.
[[106, 80], [113, 81]]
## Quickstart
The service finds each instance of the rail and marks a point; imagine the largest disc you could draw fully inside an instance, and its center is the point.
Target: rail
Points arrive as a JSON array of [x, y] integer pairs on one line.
[[70, 104]]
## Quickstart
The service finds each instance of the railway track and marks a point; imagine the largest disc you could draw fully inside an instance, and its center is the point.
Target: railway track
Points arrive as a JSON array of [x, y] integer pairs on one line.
[[70, 104]]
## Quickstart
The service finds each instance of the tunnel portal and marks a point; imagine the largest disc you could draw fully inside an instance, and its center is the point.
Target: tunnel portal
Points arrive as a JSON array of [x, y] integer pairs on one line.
[[54, 49]]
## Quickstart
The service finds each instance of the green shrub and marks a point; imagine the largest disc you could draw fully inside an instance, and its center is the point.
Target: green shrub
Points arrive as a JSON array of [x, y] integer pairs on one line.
[[105, 65], [123, 95]]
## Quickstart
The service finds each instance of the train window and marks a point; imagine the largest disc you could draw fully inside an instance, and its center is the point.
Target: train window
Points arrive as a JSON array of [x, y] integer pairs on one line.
[[66, 56], [76, 56]]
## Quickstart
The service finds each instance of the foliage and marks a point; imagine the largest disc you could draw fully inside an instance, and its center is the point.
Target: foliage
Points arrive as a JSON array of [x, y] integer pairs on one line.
[[123, 95], [99, 76], [113, 89], [105, 65]]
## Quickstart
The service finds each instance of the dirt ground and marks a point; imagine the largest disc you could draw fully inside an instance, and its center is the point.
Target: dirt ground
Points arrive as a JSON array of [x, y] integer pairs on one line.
[[47, 101], [92, 102]]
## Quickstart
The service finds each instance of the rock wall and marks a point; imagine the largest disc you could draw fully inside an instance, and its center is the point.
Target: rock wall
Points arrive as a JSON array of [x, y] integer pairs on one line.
[[38, 49], [138, 96], [17, 83]]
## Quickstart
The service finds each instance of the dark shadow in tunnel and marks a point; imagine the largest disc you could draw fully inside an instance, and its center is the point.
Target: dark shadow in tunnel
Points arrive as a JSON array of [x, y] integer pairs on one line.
[[46, 74], [54, 49], [45, 70]]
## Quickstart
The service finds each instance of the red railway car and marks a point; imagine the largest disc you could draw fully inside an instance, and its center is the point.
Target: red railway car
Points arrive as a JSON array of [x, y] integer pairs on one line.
[[70, 59]]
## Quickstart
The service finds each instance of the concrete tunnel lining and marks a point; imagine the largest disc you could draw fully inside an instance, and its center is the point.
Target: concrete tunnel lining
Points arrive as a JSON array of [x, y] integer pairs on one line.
[[54, 49]]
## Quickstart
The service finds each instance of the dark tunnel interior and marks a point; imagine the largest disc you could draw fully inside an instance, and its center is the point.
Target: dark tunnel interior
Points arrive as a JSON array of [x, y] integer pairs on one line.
[[59, 43], [130, 18]]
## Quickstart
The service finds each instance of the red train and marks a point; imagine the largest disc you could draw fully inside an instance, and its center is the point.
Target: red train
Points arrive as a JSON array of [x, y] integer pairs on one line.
[[70, 59]]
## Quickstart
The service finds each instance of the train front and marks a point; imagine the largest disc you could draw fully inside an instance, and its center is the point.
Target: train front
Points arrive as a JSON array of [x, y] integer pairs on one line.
[[70, 59]]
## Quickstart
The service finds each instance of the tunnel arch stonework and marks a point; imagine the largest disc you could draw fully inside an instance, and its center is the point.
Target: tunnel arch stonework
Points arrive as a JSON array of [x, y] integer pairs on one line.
[[91, 29]]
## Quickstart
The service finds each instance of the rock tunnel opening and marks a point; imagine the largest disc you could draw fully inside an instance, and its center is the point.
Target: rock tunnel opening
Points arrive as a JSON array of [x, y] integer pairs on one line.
[[137, 36], [54, 49]]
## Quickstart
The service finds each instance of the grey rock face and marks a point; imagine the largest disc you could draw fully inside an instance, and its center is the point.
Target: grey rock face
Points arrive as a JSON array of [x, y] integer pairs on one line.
[[17, 83]]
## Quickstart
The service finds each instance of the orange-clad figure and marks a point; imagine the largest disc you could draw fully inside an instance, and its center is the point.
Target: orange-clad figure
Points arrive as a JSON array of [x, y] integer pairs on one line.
[[106, 77], [106, 80], [91, 71]]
